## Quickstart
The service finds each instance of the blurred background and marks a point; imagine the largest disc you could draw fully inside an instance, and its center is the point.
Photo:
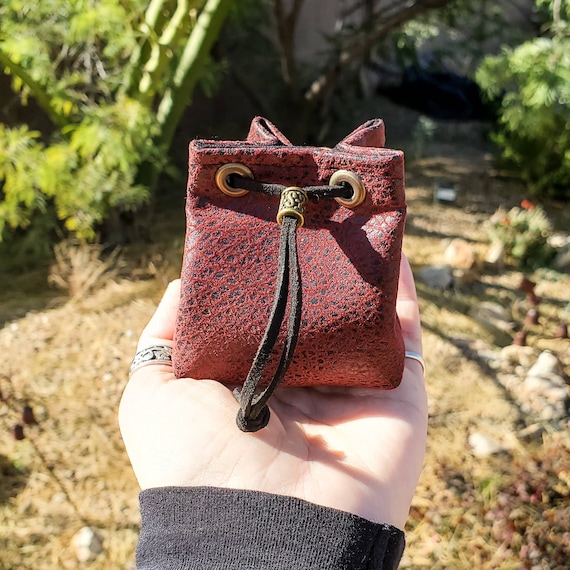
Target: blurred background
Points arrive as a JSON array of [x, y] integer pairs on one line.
[[98, 102]]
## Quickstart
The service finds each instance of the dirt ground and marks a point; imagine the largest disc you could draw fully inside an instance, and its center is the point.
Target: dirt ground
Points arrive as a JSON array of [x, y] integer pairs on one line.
[[68, 361]]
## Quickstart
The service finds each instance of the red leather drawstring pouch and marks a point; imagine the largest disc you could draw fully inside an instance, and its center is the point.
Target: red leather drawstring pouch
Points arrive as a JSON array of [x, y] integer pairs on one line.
[[291, 265]]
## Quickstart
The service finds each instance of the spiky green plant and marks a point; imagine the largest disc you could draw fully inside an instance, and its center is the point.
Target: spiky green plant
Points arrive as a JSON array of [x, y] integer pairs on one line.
[[524, 232]]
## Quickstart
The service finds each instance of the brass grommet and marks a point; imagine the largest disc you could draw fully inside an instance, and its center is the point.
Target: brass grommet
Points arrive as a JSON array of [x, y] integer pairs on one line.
[[228, 169], [358, 190], [293, 202]]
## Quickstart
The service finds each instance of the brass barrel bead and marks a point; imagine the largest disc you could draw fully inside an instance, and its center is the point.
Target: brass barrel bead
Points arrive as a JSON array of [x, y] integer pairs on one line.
[[293, 203]]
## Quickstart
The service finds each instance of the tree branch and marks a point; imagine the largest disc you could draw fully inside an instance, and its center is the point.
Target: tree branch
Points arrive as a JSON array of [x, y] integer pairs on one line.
[[154, 19], [556, 11], [186, 75], [359, 43], [286, 24]]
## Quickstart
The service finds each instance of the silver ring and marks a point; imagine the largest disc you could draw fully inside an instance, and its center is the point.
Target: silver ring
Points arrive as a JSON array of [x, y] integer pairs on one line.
[[158, 354], [418, 358]]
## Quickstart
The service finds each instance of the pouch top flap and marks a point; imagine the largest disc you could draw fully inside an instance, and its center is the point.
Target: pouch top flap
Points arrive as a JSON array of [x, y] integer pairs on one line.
[[370, 134], [265, 132]]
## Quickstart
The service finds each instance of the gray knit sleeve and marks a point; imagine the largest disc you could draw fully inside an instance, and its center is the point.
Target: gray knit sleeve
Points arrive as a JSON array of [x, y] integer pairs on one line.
[[207, 528]]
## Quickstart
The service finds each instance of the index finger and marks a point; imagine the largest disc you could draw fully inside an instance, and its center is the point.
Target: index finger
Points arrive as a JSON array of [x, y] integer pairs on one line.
[[407, 308]]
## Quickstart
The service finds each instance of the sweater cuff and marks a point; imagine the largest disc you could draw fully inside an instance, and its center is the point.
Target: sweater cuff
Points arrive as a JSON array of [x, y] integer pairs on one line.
[[211, 528]]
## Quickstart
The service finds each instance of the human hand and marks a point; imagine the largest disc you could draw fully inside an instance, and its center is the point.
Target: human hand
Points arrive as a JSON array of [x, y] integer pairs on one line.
[[353, 449]]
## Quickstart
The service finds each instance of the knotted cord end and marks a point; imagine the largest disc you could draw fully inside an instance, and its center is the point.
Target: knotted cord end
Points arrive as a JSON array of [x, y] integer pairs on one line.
[[250, 425]]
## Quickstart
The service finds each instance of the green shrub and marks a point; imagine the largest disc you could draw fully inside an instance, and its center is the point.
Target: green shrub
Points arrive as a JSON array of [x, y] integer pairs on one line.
[[533, 84], [113, 77]]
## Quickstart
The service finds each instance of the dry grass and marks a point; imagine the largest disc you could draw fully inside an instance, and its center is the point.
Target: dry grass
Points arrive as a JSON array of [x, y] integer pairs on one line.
[[81, 267], [69, 363], [72, 469]]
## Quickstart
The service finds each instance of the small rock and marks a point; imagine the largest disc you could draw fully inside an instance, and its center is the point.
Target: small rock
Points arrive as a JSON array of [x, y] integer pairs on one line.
[[536, 384], [87, 544], [484, 445], [523, 355], [436, 276], [496, 256], [546, 364], [460, 254], [492, 314], [59, 498]]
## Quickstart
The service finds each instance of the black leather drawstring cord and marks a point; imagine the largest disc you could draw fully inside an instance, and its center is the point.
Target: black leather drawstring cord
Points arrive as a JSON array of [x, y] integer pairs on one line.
[[254, 413], [314, 193]]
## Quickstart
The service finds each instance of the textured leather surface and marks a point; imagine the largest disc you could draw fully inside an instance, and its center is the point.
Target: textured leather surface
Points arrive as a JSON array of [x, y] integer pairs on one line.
[[350, 334]]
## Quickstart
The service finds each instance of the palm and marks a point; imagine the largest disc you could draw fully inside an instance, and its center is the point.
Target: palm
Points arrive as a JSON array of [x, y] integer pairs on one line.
[[352, 449]]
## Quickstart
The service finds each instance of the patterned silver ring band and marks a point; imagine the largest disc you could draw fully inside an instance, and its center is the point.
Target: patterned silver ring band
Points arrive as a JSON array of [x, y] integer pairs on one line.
[[160, 354], [418, 358]]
